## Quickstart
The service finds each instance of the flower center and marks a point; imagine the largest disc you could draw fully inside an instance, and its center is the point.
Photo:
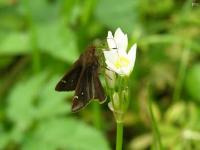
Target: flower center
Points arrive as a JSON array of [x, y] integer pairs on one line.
[[122, 62]]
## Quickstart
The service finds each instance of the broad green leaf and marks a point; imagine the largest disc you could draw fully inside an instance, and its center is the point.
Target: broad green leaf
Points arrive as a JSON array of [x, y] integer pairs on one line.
[[40, 10], [14, 43], [118, 13], [49, 27], [21, 108], [10, 19], [57, 40], [51, 102], [66, 134], [4, 138], [35, 99], [52, 38]]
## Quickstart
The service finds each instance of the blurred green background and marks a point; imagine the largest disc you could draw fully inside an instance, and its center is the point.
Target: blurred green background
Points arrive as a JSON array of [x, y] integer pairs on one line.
[[40, 39]]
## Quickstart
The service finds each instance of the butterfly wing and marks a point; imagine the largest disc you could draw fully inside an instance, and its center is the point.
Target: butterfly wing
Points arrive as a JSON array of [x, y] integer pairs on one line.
[[89, 87], [70, 80], [99, 91], [82, 92]]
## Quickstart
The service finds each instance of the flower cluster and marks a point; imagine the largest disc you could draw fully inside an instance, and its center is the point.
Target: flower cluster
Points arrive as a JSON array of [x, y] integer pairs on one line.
[[120, 64], [117, 58]]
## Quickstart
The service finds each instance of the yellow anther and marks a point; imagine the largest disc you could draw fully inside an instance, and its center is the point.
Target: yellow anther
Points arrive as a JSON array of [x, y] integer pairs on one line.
[[122, 62]]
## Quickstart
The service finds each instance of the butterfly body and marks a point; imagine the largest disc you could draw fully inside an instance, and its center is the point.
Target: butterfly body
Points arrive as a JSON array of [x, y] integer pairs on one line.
[[83, 78]]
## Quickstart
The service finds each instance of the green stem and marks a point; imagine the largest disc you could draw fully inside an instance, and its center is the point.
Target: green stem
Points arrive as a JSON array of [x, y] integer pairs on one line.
[[35, 50], [156, 132], [181, 74], [33, 39], [88, 6], [119, 138], [97, 115]]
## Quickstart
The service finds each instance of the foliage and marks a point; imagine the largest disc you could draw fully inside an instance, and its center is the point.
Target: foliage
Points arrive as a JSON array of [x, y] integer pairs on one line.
[[40, 39]]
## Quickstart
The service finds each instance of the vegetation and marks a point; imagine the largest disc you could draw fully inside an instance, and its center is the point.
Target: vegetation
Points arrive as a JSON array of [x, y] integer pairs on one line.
[[39, 41]]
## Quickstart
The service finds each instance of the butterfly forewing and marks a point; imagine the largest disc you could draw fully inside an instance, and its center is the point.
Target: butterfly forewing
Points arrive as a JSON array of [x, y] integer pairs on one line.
[[70, 80], [83, 78], [88, 88]]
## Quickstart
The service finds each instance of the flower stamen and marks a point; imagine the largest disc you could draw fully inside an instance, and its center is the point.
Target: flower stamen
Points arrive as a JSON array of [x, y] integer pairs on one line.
[[122, 62]]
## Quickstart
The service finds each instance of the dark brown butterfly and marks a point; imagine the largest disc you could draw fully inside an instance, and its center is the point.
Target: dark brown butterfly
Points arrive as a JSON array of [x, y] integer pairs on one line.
[[83, 78]]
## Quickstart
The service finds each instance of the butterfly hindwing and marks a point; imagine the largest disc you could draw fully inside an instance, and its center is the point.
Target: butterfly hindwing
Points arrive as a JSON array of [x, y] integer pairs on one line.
[[83, 90], [88, 88], [99, 91]]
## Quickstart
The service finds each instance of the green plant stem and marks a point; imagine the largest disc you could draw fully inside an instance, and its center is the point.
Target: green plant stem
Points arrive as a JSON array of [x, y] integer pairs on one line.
[[97, 115], [88, 7], [33, 39], [119, 138], [156, 132], [35, 50], [181, 74]]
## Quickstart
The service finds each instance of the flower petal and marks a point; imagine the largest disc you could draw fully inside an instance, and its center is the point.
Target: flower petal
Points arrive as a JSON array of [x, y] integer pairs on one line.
[[132, 55], [110, 40], [126, 71], [111, 66], [111, 55], [121, 40]]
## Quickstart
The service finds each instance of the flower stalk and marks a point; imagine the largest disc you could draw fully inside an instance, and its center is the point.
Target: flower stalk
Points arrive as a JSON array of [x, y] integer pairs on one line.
[[120, 64], [119, 137]]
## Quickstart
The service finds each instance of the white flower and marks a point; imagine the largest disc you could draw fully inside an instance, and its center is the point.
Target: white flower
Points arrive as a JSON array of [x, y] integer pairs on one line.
[[117, 58]]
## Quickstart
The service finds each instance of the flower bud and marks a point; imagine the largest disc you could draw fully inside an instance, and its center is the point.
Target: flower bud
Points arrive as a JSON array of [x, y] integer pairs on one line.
[[110, 78], [114, 105], [116, 101]]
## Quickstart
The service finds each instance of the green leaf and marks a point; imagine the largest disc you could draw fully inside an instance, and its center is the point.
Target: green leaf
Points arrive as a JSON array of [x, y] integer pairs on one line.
[[176, 113], [34, 100], [4, 138], [118, 13], [66, 134], [52, 103], [57, 40], [193, 82], [141, 142], [40, 11], [14, 43], [11, 19], [21, 108]]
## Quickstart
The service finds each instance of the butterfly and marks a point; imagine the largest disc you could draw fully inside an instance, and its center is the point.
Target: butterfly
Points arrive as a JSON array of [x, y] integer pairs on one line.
[[83, 78]]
